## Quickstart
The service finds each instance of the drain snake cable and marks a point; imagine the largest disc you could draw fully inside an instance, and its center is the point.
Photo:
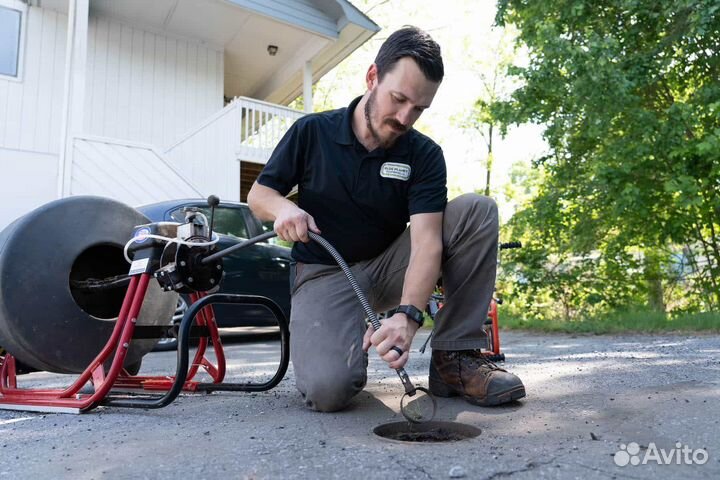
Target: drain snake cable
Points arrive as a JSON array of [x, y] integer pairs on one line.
[[410, 389]]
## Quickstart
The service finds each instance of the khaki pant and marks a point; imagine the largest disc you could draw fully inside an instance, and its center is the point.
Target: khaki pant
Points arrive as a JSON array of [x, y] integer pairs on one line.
[[327, 322]]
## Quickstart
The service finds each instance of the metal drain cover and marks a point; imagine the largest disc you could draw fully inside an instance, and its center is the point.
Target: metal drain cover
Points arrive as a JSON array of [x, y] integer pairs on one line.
[[428, 432]]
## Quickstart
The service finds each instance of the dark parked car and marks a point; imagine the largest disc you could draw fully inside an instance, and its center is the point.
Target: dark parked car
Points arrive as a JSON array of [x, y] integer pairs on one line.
[[260, 269]]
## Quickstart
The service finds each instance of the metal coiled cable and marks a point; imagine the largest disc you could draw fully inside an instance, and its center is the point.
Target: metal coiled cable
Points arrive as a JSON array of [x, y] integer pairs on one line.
[[372, 316], [414, 411], [410, 390]]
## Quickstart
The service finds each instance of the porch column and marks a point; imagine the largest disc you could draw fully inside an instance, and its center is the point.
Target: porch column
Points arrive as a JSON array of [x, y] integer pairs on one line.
[[74, 88], [307, 87]]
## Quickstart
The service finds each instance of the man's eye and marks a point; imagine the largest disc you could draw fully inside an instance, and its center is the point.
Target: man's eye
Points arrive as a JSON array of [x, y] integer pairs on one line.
[[397, 99]]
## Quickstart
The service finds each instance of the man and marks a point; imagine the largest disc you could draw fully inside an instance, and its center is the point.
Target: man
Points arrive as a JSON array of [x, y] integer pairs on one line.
[[363, 172]]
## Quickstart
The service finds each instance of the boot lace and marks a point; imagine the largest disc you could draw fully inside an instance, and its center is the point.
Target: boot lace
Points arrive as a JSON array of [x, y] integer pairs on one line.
[[478, 359]]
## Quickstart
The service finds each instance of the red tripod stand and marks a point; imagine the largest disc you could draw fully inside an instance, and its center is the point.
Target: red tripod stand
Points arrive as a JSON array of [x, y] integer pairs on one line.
[[107, 382]]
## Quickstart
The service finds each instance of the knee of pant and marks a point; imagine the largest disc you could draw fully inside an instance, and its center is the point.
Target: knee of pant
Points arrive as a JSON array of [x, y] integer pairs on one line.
[[331, 393], [472, 203]]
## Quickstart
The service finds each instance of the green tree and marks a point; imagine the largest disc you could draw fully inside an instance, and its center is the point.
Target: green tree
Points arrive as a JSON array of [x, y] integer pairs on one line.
[[491, 72], [629, 92]]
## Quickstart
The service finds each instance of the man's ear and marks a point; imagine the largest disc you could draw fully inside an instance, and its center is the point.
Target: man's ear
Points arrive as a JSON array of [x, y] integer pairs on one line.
[[371, 78]]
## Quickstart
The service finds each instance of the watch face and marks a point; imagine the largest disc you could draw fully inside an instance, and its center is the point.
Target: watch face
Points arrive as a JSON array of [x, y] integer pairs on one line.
[[412, 312]]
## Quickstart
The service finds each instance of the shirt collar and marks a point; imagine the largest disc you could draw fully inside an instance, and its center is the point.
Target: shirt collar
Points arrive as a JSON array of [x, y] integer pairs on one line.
[[346, 136]]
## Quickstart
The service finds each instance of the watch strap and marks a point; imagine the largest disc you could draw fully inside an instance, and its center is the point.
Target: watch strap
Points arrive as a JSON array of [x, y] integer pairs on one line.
[[412, 312]]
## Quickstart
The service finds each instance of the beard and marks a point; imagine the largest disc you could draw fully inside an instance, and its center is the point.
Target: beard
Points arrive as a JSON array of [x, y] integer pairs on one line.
[[370, 109]]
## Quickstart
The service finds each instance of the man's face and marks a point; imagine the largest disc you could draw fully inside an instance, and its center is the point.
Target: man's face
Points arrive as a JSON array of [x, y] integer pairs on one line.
[[395, 103]]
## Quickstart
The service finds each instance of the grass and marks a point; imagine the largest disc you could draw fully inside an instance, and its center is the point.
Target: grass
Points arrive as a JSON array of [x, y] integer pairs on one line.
[[627, 322]]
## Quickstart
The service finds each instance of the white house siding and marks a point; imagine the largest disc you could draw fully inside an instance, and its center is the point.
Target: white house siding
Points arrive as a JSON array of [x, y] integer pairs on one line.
[[208, 154], [146, 86], [29, 179], [30, 109], [135, 174], [30, 113]]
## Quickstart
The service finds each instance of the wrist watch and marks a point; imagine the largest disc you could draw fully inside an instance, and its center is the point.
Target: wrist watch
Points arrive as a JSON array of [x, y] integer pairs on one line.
[[412, 312]]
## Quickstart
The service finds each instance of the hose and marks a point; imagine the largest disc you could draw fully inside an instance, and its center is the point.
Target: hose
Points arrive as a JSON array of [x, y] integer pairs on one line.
[[411, 413], [372, 316], [410, 389]]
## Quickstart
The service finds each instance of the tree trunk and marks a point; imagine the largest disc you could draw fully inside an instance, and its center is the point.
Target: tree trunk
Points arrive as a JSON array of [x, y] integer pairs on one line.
[[709, 271], [653, 279]]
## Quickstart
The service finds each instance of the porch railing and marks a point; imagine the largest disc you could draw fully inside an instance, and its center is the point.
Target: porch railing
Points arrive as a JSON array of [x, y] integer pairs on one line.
[[245, 130], [262, 125]]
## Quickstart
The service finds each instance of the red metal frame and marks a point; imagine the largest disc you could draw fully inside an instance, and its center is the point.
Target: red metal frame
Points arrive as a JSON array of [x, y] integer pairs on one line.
[[494, 333], [206, 317], [493, 315], [116, 378]]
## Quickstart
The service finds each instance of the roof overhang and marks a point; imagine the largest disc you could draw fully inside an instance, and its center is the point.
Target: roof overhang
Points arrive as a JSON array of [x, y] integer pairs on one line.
[[322, 32], [326, 32]]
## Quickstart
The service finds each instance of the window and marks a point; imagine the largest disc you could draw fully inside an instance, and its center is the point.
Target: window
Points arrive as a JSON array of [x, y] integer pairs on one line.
[[12, 23]]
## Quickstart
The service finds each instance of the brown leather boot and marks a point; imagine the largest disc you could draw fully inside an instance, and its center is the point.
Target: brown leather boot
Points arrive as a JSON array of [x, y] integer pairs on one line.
[[470, 374]]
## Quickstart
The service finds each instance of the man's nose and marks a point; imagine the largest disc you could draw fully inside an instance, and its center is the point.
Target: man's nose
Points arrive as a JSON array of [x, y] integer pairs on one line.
[[405, 117]]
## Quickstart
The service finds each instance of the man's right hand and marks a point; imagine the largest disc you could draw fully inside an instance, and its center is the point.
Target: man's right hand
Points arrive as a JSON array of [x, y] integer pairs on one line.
[[292, 224]]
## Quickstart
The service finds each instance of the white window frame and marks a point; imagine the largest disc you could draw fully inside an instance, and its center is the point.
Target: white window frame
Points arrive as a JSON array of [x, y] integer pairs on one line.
[[23, 9]]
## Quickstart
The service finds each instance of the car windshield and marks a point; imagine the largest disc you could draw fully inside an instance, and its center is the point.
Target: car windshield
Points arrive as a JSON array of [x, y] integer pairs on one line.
[[228, 221]]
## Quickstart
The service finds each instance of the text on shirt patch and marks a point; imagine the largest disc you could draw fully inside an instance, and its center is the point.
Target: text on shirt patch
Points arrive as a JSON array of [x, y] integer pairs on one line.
[[398, 171]]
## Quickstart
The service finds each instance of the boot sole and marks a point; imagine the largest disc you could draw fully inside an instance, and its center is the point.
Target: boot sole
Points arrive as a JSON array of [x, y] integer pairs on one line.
[[441, 389]]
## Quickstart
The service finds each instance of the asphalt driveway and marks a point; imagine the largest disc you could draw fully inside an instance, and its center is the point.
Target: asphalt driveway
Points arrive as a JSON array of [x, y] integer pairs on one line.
[[594, 404]]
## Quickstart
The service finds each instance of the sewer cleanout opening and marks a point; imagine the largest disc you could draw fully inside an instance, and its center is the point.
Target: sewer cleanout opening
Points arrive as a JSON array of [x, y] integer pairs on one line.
[[428, 432]]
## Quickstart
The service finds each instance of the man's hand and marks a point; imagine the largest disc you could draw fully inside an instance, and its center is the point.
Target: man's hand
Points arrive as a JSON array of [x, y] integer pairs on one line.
[[396, 331], [292, 224]]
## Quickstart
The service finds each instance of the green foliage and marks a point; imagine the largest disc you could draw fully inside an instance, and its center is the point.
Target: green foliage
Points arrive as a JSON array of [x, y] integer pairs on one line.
[[629, 92], [620, 322]]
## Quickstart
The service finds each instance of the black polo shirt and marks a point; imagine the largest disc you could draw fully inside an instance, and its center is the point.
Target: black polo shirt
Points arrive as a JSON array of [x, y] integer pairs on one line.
[[360, 200]]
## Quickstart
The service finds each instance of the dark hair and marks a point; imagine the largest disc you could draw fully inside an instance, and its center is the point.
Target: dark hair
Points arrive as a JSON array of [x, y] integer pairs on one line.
[[414, 43]]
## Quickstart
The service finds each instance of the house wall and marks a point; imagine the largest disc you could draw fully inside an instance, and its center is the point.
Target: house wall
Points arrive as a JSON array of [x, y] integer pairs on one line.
[[208, 155], [141, 86], [147, 86], [30, 109], [98, 163], [29, 179], [30, 112]]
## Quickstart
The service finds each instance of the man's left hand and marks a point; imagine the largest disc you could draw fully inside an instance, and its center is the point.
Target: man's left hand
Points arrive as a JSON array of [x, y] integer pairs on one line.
[[396, 331]]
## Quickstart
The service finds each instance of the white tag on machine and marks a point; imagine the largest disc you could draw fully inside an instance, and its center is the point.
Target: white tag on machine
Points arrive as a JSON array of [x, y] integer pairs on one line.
[[139, 266]]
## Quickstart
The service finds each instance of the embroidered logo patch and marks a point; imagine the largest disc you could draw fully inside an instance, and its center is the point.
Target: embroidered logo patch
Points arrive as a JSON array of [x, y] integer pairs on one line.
[[398, 171]]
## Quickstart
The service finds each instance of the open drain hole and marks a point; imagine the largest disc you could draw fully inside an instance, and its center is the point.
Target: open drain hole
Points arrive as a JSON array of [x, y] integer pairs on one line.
[[428, 432]]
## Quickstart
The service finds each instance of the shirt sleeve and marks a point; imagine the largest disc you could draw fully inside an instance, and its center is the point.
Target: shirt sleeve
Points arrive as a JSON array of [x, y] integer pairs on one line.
[[284, 168], [428, 190]]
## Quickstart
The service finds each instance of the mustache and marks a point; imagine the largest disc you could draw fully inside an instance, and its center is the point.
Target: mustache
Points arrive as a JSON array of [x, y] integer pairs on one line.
[[396, 125]]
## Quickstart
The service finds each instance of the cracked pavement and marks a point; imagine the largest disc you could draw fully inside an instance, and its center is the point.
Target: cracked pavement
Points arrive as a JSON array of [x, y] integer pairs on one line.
[[587, 396]]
